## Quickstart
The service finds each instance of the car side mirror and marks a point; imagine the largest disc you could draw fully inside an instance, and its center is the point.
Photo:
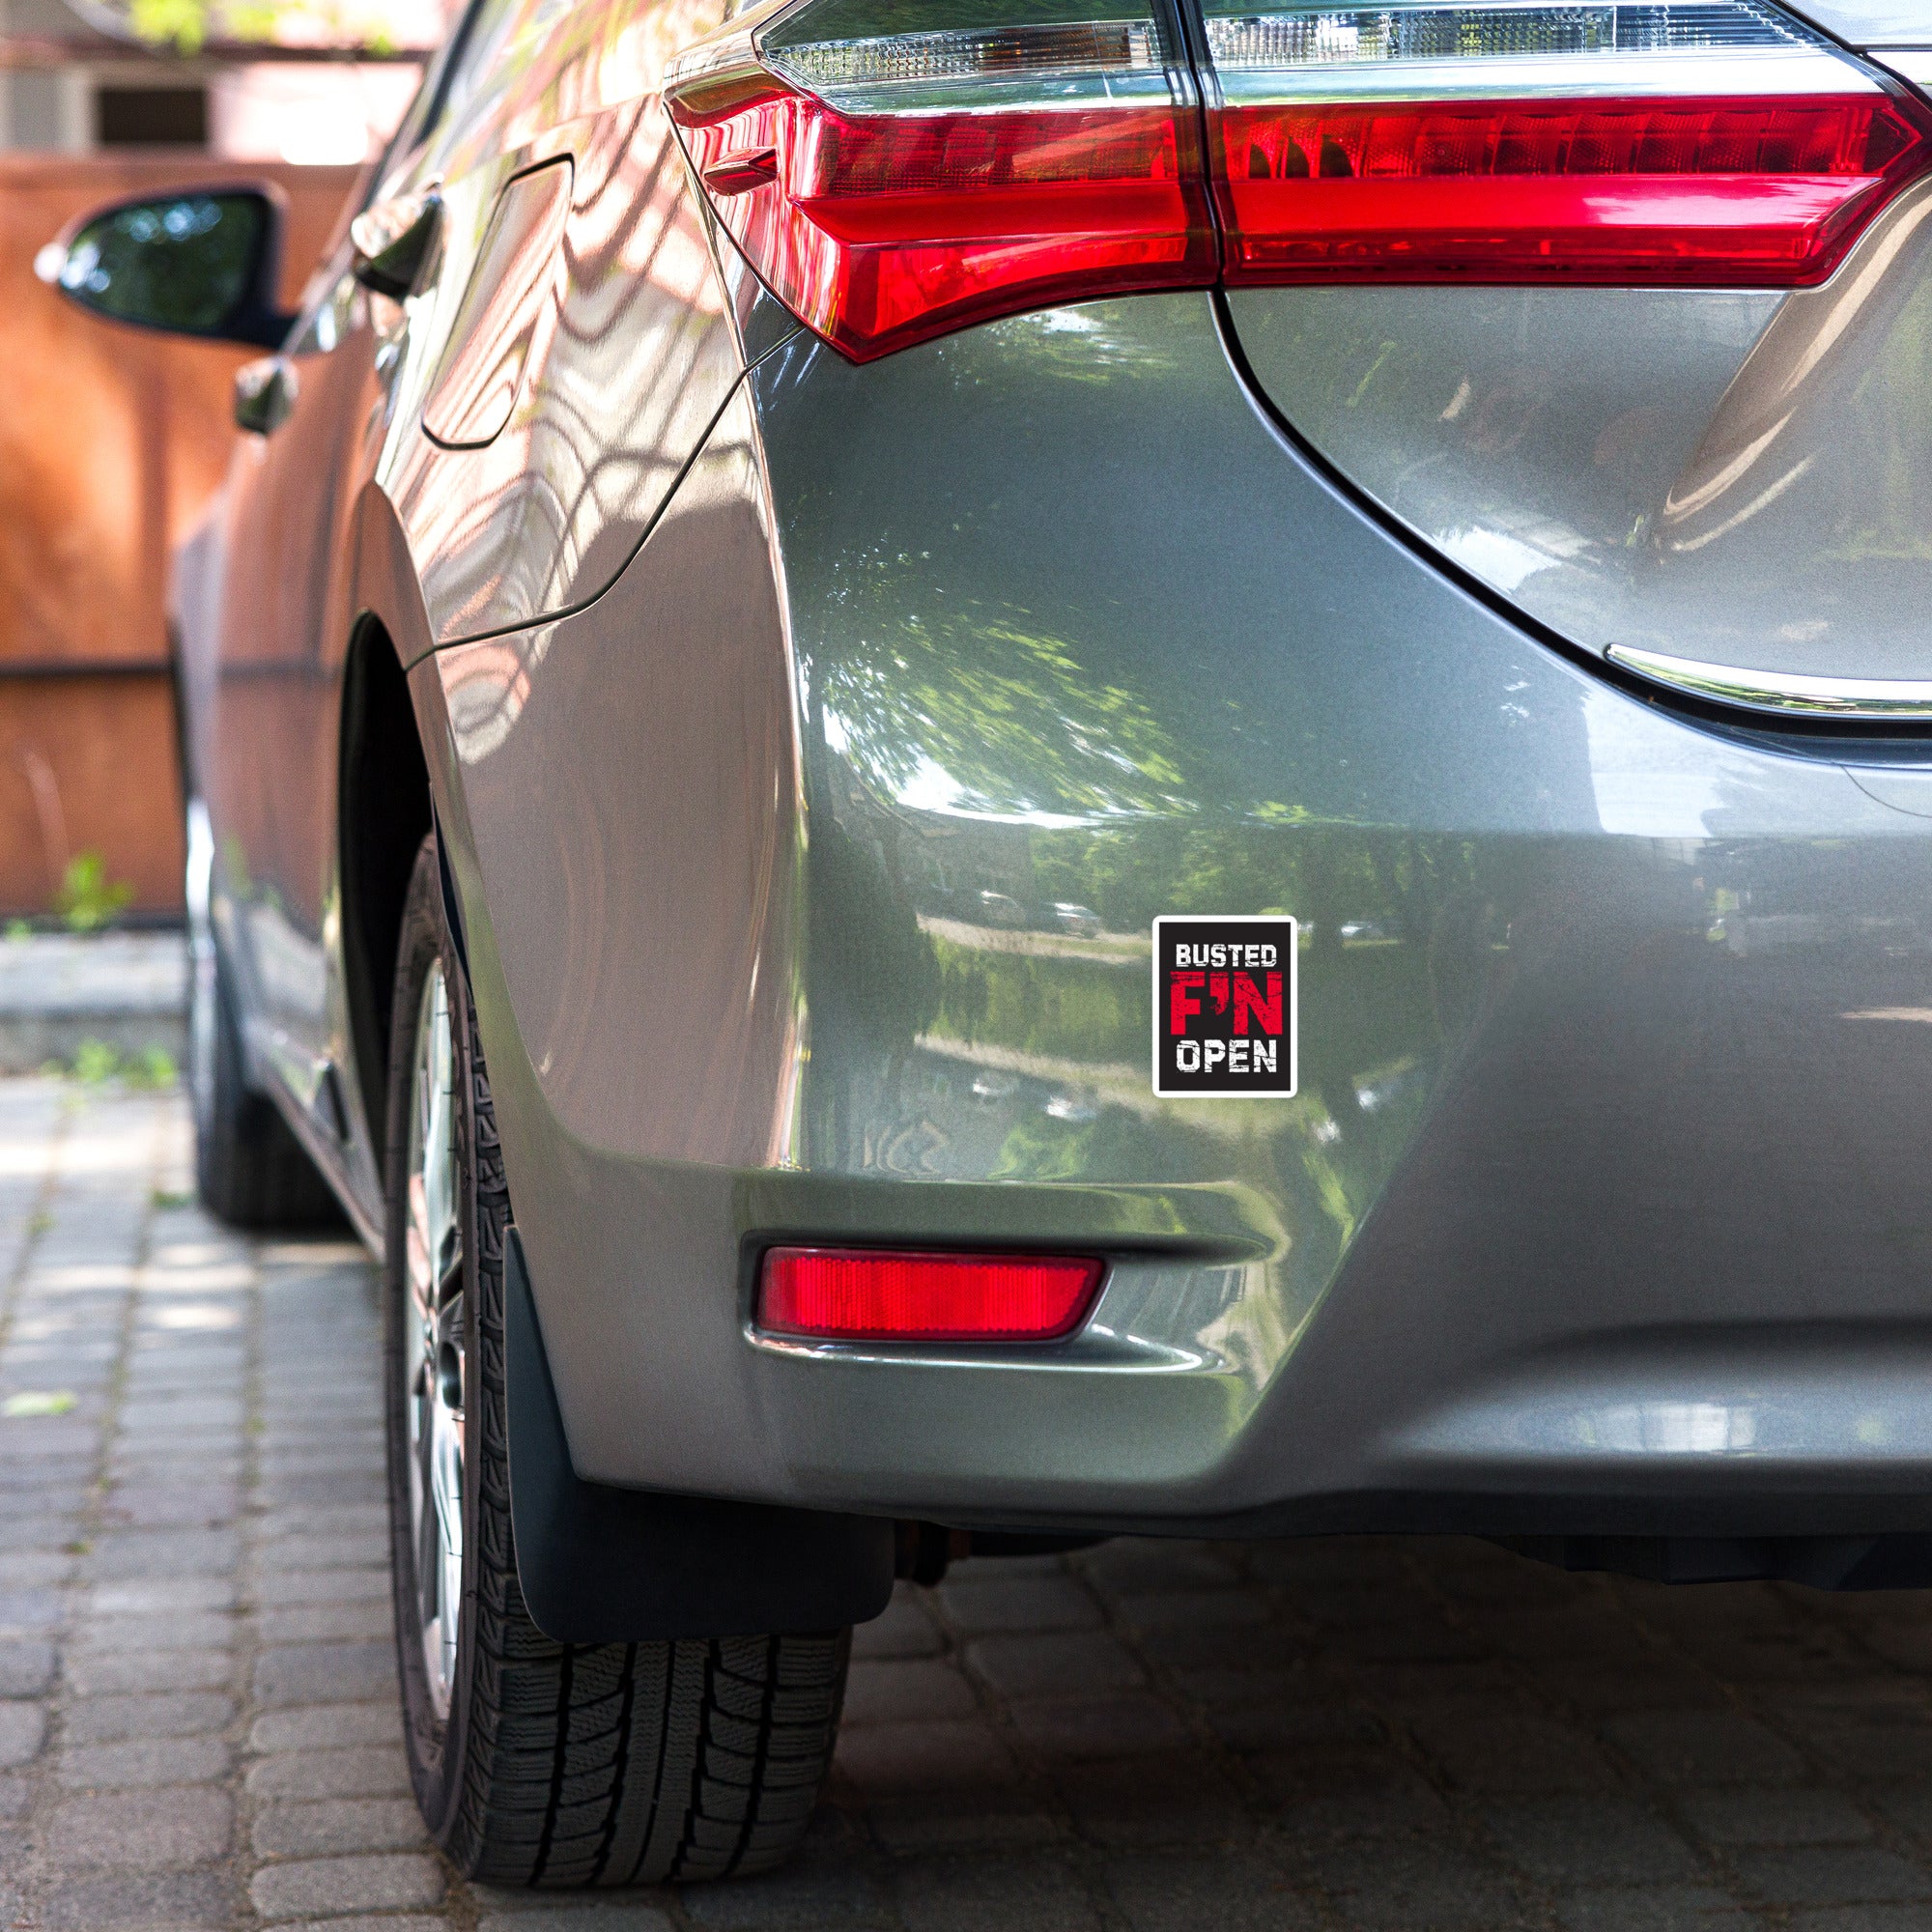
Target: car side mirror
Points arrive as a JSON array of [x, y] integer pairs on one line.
[[265, 392], [200, 262]]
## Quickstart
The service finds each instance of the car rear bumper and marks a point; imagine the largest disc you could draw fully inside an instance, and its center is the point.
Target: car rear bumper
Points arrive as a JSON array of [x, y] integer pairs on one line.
[[1602, 1207]]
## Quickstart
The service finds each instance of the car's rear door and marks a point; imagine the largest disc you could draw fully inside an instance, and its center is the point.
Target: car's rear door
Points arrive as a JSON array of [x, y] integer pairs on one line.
[[286, 626]]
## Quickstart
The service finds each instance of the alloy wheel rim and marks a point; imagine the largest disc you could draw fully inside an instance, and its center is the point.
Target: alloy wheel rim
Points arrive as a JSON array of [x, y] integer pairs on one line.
[[433, 1398]]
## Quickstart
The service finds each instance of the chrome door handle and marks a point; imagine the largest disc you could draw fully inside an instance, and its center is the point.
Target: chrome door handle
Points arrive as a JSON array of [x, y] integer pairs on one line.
[[392, 242], [265, 392]]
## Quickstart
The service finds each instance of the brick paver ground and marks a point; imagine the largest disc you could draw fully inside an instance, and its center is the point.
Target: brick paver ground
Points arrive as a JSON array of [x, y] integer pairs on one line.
[[198, 1728]]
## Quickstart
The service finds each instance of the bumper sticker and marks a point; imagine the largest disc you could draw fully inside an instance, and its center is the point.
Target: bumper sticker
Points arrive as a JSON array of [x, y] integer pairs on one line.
[[1224, 1008]]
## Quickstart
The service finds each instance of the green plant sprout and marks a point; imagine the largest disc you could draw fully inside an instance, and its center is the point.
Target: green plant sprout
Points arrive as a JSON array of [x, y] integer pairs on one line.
[[88, 899]]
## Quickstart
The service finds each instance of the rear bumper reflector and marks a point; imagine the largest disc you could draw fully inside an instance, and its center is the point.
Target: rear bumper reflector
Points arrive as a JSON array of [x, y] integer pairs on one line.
[[859, 1294]]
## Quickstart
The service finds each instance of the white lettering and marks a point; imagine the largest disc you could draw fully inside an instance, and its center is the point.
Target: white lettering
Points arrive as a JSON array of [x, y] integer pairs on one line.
[[1187, 1056], [1237, 1056], [1265, 1055], [1217, 1052]]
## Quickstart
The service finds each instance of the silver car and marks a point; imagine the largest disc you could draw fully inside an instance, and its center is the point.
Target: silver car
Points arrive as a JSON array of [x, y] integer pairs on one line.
[[988, 771]]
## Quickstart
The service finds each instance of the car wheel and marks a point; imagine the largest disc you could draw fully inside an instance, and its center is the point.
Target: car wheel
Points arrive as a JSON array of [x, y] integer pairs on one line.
[[249, 1169], [534, 1762]]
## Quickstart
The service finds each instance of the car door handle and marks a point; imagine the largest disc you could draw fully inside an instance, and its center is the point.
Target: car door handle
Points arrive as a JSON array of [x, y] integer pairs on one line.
[[392, 242], [265, 392]]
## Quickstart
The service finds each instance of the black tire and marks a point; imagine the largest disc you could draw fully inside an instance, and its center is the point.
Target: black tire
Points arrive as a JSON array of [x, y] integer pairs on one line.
[[249, 1169], [562, 1764]]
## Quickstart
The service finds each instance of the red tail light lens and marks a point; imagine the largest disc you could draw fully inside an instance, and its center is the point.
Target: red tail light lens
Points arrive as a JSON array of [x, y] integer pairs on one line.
[[880, 229], [1715, 191], [861, 1295], [893, 174], [1709, 142]]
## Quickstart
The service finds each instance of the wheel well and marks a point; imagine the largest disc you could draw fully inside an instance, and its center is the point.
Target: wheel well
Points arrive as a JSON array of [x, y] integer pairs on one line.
[[384, 806]]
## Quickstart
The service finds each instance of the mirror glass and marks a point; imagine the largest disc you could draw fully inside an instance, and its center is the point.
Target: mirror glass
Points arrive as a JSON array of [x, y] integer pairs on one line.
[[189, 263]]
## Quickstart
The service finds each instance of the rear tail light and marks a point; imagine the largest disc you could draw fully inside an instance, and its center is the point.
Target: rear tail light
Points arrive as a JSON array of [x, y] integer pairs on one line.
[[892, 186], [896, 169], [1714, 143], [860, 1294]]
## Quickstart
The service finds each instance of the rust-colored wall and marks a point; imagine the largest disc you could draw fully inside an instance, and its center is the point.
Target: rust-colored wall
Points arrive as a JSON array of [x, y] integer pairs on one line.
[[110, 441]]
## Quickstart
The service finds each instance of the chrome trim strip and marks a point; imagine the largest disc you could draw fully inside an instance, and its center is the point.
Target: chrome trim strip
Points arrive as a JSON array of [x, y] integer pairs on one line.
[[1783, 692]]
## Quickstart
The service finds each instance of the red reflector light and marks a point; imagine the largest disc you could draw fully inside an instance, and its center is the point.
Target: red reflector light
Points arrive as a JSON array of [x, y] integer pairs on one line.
[[1721, 191], [858, 1294], [880, 229]]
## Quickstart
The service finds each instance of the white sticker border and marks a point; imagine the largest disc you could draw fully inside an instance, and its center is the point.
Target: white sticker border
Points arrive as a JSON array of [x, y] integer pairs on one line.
[[1294, 1028]]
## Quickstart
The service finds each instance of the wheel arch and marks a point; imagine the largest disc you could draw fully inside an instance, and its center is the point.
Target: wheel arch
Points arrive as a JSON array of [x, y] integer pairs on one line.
[[384, 804]]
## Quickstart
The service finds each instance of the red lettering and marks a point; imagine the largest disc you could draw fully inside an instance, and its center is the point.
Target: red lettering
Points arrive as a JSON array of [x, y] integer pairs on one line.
[[1180, 1000], [1248, 1000]]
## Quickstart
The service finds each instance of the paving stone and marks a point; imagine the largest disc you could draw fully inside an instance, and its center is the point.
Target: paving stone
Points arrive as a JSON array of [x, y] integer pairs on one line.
[[1673, 1908], [1151, 1804], [1230, 1892], [1861, 1919], [157, 1629], [327, 1727], [1133, 1566], [338, 1824], [95, 1672], [369, 1771], [330, 1553], [1775, 1816], [916, 1756], [955, 1894], [143, 1761], [1192, 1609], [1705, 1747], [1054, 1664], [1828, 1874], [24, 1730], [175, 1713], [26, 1666], [804, 1897], [1128, 1724], [156, 1902], [936, 1821], [366, 1618], [318, 1672], [146, 1830], [1578, 1842], [1349, 1791], [317, 1887], [1484, 1749], [1404, 1886], [906, 1691], [994, 1603], [163, 1552], [166, 1596], [321, 1586]]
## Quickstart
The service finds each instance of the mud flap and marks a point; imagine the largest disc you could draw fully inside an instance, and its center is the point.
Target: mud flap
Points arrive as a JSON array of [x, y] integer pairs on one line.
[[604, 1565]]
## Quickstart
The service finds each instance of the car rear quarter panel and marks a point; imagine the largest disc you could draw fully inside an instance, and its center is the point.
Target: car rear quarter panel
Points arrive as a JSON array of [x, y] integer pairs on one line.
[[1601, 1195]]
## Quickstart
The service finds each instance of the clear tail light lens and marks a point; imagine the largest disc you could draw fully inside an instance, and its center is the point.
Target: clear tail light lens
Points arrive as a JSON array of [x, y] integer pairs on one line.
[[860, 1294], [891, 186], [1716, 143], [894, 171]]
